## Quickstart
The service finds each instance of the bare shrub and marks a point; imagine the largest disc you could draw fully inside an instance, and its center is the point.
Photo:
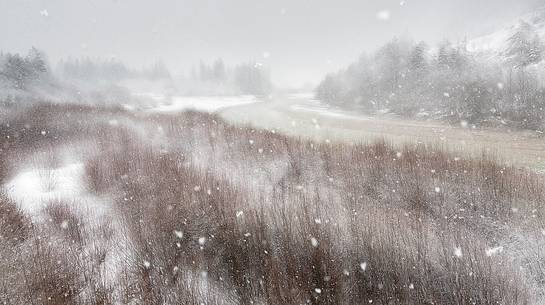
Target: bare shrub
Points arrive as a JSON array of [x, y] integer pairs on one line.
[[221, 214]]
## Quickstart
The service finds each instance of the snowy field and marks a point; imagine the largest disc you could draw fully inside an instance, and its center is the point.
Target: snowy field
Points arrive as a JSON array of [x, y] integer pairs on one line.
[[302, 116], [165, 204], [173, 104]]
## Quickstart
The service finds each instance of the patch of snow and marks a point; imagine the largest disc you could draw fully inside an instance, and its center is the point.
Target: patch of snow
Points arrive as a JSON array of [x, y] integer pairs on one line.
[[199, 103], [458, 252], [314, 106], [34, 188], [493, 251]]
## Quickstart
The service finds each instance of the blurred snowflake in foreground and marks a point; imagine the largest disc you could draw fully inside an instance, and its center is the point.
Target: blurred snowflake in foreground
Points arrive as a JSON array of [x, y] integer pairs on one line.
[[384, 15]]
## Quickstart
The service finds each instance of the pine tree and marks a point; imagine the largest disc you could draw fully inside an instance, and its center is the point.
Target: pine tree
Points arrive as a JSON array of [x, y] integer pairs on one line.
[[524, 47], [417, 58]]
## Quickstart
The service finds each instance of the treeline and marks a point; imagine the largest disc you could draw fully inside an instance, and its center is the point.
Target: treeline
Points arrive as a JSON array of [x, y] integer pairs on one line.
[[246, 78], [31, 75], [447, 82], [19, 71], [93, 69]]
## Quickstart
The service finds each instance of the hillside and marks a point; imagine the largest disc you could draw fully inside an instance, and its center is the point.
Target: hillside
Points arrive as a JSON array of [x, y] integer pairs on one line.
[[494, 45], [494, 80]]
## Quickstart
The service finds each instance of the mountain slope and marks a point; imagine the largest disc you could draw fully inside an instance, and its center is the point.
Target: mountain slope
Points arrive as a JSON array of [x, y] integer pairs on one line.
[[493, 46]]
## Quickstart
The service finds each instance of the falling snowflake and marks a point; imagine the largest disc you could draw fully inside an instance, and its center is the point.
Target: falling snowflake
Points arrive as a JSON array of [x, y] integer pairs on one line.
[[384, 15], [314, 242], [318, 290], [363, 266], [202, 241], [179, 234], [458, 252], [44, 13]]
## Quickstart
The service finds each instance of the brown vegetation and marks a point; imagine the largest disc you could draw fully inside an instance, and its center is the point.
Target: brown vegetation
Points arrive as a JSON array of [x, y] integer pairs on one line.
[[219, 214]]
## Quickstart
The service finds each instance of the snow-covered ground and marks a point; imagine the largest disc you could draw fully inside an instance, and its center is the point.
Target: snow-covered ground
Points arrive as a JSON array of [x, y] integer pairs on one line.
[[37, 186], [200, 103], [303, 103], [493, 45], [301, 117], [34, 188]]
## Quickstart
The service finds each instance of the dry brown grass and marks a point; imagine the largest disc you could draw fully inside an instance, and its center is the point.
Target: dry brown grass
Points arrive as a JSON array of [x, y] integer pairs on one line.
[[220, 214]]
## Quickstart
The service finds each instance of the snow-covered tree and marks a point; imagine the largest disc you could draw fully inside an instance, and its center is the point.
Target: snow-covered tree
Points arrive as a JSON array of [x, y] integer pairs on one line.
[[524, 47], [329, 89], [20, 71], [253, 78], [417, 58]]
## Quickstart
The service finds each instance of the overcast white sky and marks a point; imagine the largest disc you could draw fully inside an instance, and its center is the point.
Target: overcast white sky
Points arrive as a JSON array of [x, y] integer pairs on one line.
[[305, 38]]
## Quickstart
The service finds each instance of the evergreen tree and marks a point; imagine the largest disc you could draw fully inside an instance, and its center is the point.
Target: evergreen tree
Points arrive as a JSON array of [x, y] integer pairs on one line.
[[524, 47], [417, 58]]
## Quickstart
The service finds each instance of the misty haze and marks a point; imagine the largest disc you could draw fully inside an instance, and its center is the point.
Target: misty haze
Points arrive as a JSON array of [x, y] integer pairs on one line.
[[272, 152]]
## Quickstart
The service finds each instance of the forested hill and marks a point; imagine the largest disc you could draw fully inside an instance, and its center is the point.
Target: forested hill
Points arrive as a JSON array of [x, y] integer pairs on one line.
[[475, 82]]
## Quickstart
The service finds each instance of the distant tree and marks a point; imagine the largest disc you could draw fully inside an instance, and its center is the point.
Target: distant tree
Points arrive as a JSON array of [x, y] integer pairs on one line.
[[158, 71], [392, 63], [417, 58], [219, 72], [473, 101], [451, 57], [329, 89], [524, 47], [443, 54], [36, 61], [253, 78], [204, 72], [15, 70], [21, 71]]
